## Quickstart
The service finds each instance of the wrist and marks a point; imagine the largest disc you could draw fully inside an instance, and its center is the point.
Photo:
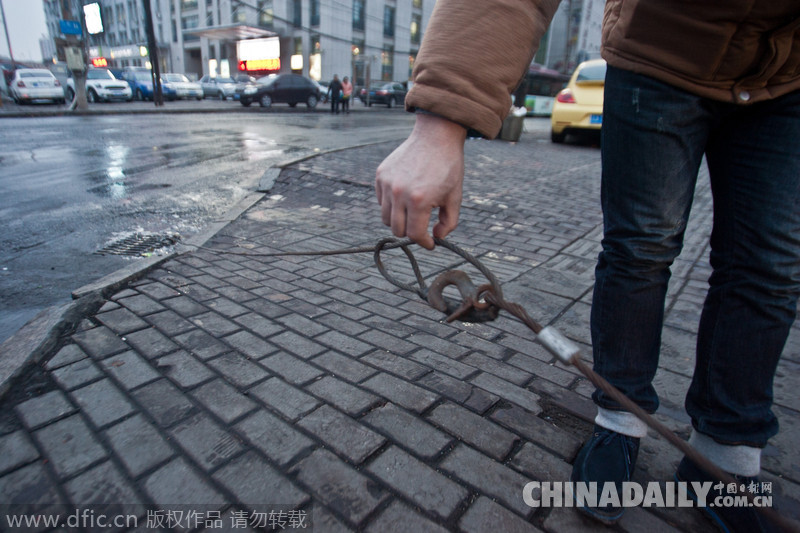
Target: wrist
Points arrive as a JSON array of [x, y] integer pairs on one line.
[[429, 124]]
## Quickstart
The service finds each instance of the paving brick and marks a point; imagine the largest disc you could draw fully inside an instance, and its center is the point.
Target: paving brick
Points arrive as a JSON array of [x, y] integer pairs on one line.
[[44, 409], [99, 342], [486, 515], [418, 482], [256, 484], [106, 489], [399, 366], [488, 476], [17, 451], [345, 367], [184, 369], [344, 343], [400, 517], [77, 374], [170, 323], [474, 429], [138, 445], [129, 369], [141, 304], [337, 485], [158, 291], [238, 369], [341, 433], [498, 368], [439, 345], [249, 344], [206, 441], [185, 306], [277, 439], [70, 353], [297, 344], [287, 400], [69, 445], [300, 323], [407, 430], [121, 321], [352, 400], [459, 391], [291, 368], [31, 490], [177, 483], [226, 307], [164, 402], [215, 324], [201, 344], [266, 308], [261, 326], [324, 520], [508, 391], [534, 429], [102, 402], [444, 364], [342, 324], [151, 343], [223, 400], [401, 392]]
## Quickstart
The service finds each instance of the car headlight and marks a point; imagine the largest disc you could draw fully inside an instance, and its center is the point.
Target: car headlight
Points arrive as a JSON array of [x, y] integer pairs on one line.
[[250, 90]]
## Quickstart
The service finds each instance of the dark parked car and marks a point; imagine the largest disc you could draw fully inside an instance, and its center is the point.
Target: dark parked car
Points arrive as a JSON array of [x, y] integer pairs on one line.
[[388, 94], [289, 89]]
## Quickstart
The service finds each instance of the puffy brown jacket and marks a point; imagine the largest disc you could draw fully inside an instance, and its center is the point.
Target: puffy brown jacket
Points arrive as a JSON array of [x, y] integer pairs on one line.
[[476, 51]]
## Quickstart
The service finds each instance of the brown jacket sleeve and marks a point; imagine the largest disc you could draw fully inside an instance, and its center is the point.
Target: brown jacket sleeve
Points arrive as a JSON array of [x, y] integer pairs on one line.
[[473, 55]]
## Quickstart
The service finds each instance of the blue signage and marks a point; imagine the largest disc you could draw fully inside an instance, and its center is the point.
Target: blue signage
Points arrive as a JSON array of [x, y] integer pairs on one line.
[[70, 27]]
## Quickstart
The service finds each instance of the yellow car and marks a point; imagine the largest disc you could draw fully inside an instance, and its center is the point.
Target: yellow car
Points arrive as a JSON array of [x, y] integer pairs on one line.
[[580, 105]]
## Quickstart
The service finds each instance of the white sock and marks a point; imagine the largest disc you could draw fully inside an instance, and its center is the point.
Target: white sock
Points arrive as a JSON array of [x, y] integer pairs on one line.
[[734, 459], [621, 422]]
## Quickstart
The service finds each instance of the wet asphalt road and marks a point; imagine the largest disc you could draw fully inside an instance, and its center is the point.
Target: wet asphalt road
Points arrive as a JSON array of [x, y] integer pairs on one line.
[[72, 185]]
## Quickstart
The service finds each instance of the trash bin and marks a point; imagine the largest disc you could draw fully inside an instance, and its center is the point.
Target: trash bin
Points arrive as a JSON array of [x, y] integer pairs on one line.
[[512, 128]]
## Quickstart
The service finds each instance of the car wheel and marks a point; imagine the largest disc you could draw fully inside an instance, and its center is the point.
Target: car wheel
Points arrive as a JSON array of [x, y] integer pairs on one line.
[[312, 101], [390, 103], [221, 96], [265, 100], [557, 138], [70, 94], [244, 102], [139, 95], [92, 96]]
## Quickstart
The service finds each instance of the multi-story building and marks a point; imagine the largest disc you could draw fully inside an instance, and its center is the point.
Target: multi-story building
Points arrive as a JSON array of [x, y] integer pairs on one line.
[[364, 39]]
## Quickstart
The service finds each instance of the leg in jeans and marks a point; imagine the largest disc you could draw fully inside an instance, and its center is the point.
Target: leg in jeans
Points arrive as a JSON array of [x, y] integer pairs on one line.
[[653, 141], [754, 163]]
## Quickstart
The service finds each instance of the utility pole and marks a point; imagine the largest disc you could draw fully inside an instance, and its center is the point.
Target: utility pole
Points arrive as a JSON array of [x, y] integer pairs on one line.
[[8, 41], [152, 48], [76, 57]]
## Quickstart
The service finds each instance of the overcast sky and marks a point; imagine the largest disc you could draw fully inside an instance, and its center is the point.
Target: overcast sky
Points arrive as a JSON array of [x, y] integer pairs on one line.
[[25, 22]]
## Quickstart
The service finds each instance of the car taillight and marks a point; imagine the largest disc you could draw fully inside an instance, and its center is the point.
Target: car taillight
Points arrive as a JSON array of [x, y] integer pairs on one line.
[[565, 97], [20, 83], [382, 93]]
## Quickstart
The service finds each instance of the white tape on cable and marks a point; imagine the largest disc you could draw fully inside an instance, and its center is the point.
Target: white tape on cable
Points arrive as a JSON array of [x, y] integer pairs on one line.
[[558, 344]]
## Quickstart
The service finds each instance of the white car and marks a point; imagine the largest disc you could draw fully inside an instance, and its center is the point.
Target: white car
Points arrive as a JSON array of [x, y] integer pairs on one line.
[[102, 86], [222, 88], [32, 84], [182, 86]]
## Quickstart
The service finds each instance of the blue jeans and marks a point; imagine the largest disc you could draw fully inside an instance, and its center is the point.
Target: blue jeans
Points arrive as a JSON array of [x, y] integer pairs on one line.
[[654, 137]]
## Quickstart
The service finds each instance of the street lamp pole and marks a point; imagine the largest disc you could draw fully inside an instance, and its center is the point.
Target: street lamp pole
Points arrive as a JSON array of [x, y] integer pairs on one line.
[[8, 38]]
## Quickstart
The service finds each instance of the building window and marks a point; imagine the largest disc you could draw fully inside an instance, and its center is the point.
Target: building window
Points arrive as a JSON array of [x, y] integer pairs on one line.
[[266, 13], [417, 4], [174, 31], [412, 58], [358, 14], [187, 23], [315, 12], [297, 12], [238, 14], [358, 47], [416, 28], [388, 21], [188, 4], [387, 62]]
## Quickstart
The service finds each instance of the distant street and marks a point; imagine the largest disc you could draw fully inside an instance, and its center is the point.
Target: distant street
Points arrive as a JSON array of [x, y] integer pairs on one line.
[[72, 185]]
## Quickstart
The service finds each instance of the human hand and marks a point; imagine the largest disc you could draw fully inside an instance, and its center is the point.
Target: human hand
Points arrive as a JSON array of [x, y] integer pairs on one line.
[[424, 173]]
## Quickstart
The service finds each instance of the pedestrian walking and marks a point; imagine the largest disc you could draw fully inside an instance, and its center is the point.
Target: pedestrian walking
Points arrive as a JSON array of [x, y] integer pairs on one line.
[[347, 94], [334, 92], [669, 103]]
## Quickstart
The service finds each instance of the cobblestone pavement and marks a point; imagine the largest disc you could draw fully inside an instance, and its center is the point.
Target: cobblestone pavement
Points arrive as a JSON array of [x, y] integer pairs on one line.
[[232, 382]]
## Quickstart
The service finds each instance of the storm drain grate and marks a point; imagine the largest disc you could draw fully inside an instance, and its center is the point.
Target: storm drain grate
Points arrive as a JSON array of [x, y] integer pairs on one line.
[[139, 244]]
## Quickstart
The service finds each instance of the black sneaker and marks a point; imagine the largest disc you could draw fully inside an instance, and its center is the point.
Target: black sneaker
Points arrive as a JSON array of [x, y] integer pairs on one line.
[[728, 519], [607, 456]]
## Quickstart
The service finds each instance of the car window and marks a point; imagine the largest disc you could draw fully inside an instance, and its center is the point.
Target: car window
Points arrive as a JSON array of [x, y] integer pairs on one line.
[[397, 87], [592, 73], [225, 80], [99, 74], [142, 76], [36, 74]]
